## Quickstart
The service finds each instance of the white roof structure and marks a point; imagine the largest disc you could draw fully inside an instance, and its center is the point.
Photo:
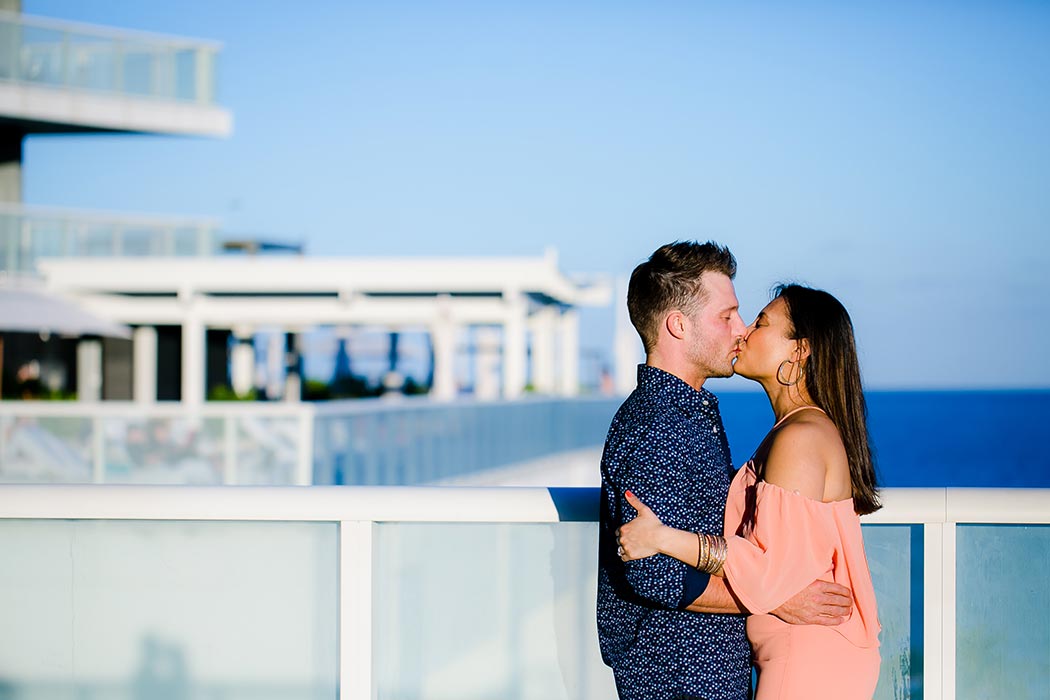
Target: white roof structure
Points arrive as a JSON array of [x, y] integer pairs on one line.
[[528, 298]]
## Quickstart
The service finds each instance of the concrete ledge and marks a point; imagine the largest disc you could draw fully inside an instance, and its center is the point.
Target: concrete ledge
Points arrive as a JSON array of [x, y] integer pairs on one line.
[[42, 109]]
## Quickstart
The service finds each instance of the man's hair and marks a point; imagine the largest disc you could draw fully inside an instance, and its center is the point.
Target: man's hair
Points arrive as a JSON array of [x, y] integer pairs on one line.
[[672, 279]]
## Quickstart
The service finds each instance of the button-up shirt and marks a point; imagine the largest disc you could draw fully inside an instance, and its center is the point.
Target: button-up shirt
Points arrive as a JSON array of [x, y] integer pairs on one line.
[[667, 445]]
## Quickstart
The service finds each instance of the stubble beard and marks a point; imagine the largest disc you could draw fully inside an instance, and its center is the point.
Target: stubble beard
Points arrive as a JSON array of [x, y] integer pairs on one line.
[[711, 361]]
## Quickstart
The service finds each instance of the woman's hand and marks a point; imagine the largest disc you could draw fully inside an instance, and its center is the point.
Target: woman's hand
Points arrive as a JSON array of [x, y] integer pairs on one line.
[[641, 537]]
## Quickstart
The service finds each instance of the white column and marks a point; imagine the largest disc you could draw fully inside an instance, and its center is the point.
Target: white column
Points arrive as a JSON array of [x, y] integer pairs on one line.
[[144, 364], [243, 361], [628, 352], [192, 361], [89, 370], [486, 362], [443, 334], [542, 324], [570, 352], [514, 344], [275, 366]]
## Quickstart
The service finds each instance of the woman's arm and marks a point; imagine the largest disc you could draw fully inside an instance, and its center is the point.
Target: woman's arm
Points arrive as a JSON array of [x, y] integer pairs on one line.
[[646, 536]]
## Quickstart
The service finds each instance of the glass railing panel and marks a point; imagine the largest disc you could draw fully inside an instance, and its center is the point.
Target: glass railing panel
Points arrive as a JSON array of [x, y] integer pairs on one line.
[[59, 54], [425, 442], [143, 69], [266, 450], [45, 238], [185, 68], [46, 449], [480, 611], [895, 557], [166, 450], [26, 237], [1002, 612], [96, 239], [108, 609], [42, 55], [94, 63], [188, 241], [9, 39]]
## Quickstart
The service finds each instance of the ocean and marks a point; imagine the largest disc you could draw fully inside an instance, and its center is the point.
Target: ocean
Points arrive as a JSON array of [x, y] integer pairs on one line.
[[931, 438]]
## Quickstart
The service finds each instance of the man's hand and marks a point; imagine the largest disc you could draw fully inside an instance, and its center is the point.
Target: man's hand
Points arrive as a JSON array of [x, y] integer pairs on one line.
[[819, 603]]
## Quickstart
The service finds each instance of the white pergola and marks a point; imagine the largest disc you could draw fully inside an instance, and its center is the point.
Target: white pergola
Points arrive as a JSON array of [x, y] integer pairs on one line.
[[528, 298]]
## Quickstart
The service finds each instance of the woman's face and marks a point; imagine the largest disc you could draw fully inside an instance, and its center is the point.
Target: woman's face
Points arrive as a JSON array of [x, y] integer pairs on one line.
[[766, 343]]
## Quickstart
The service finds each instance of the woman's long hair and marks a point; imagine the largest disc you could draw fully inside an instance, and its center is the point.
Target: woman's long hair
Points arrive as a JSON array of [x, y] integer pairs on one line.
[[832, 376]]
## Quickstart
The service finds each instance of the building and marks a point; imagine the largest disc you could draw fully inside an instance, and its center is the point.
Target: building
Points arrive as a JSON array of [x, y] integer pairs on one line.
[[175, 281]]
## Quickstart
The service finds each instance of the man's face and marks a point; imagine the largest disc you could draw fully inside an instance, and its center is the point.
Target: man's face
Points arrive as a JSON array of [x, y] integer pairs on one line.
[[716, 328]]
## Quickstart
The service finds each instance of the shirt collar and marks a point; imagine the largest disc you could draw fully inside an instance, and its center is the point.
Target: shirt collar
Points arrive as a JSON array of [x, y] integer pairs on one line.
[[693, 401]]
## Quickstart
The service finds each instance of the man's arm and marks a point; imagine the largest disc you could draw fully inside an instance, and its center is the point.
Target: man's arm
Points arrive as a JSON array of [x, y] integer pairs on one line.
[[819, 603], [717, 598]]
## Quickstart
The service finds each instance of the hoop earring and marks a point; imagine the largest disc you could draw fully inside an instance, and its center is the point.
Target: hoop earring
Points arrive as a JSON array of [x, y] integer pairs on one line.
[[781, 368]]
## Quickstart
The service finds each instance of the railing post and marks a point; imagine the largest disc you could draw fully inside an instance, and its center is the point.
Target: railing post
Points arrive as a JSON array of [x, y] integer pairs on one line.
[[204, 73], [66, 62], [304, 467], [118, 66], [229, 452], [98, 451], [948, 590], [355, 611], [939, 612]]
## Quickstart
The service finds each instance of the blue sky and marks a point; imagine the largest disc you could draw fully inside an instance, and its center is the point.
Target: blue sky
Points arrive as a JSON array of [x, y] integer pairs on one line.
[[894, 153]]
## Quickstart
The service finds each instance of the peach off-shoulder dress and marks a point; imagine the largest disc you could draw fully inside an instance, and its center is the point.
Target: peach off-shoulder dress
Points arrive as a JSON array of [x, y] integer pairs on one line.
[[796, 540]]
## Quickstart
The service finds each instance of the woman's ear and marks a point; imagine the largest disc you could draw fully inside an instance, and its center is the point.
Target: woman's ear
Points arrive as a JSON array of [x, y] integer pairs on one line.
[[675, 324], [802, 349]]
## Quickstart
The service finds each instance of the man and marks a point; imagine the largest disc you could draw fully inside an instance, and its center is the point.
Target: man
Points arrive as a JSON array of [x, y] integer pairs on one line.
[[668, 631]]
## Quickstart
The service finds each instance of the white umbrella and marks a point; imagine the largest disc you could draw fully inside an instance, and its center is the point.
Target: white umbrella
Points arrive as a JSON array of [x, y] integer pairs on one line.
[[28, 310]]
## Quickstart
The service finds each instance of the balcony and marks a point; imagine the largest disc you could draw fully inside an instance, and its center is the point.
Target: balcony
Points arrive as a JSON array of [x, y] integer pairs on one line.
[[403, 592], [29, 233], [58, 76]]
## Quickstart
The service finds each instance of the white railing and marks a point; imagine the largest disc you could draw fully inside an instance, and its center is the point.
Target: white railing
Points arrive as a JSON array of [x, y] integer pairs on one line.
[[121, 442], [70, 55], [469, 593], [363, 442]]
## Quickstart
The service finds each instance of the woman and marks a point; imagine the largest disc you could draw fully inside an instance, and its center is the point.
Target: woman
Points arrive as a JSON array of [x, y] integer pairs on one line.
[[792, 513]]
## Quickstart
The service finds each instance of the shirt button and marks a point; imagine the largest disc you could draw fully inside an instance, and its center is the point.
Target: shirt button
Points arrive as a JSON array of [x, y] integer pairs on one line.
[[706, 402], [714, 429]]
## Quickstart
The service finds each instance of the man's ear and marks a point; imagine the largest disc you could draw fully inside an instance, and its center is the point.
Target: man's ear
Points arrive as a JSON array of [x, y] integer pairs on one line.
[[675, 323]]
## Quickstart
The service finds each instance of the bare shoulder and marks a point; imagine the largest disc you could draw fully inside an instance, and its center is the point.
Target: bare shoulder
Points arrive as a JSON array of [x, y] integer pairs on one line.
[[801, 452]]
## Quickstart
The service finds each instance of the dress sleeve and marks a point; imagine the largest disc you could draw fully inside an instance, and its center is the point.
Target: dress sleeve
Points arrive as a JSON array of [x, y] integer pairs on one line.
[[791, 544]]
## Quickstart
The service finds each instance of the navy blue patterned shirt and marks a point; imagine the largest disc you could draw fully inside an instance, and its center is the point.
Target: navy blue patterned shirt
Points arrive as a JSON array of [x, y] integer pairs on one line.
[[668, 446]]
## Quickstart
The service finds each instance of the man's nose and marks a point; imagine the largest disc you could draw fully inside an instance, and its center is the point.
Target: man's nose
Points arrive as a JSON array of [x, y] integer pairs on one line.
[[741, 331]]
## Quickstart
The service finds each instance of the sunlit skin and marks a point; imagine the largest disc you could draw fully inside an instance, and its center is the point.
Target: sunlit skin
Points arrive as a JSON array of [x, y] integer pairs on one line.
[[694, 347]]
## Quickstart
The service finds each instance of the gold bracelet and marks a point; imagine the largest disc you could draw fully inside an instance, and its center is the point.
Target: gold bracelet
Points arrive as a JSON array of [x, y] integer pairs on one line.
[[711, 552], [704, 559], [718, 556]]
